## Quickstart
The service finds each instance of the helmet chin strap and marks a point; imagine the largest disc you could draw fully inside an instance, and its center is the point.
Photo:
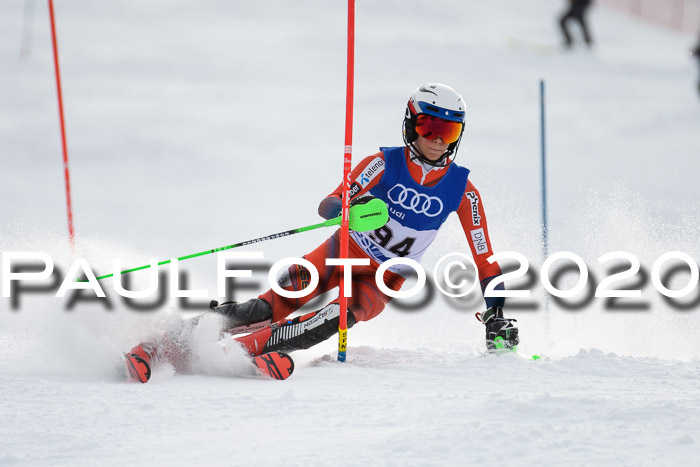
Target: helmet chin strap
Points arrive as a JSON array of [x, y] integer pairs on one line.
[[416, 154]]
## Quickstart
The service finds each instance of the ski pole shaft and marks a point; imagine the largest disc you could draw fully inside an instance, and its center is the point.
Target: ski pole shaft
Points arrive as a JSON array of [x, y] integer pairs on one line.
[[286, 233], [363, 217]]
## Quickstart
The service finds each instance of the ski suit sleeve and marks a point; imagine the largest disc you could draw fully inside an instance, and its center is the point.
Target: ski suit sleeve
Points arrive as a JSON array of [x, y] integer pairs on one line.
[[473, 219], [364, 176]]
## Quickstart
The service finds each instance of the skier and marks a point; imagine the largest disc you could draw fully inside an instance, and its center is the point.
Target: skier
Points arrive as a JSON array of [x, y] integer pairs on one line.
[[421, 185], [577, 11]]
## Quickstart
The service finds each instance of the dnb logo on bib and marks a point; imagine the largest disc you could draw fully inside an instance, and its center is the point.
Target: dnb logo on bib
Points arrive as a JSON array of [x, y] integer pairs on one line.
[[479, 241], [420, 203]]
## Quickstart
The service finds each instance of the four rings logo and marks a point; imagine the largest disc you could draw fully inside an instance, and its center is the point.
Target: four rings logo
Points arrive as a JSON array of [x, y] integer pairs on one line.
[[419, 203]]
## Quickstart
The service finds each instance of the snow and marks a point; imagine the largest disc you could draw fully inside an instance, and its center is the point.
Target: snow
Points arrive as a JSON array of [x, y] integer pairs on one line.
[[194, 126]]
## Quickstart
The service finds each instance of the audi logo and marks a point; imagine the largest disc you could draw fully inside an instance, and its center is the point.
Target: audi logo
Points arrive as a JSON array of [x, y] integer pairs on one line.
[[410, 199]]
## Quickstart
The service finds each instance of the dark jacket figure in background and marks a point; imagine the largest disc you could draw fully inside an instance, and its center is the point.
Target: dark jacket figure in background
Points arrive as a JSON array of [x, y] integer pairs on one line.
[[577, 11]]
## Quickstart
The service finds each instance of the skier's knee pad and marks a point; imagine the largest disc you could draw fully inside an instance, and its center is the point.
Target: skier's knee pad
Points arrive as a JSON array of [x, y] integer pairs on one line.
[[308, 330], [247, 313]]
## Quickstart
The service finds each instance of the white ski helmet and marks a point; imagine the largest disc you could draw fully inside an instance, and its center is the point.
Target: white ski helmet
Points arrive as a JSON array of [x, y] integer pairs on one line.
[[440, 102]]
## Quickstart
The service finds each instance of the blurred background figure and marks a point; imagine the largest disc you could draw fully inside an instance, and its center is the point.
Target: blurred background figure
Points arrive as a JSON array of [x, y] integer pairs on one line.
[[577, 12], [696, 53]]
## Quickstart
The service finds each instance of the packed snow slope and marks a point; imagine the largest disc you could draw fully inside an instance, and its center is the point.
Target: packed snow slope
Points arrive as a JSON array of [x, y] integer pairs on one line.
[[194, 125]]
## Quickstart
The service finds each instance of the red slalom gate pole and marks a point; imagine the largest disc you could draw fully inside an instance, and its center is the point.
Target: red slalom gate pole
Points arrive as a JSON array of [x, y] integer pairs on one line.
[[347, 167], [66, 172]]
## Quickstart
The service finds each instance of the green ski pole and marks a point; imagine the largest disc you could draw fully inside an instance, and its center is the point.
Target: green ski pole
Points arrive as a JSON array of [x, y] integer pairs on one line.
[[363, 217]]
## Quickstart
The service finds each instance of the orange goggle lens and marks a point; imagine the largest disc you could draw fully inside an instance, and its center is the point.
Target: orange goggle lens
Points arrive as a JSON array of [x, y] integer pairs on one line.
[[433, 127]]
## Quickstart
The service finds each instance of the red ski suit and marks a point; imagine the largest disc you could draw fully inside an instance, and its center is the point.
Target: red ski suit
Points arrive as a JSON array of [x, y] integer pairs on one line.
[[367, 300]]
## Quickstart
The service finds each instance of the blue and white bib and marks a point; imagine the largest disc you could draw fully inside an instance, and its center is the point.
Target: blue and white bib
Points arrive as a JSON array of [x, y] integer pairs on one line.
[[416, 212]]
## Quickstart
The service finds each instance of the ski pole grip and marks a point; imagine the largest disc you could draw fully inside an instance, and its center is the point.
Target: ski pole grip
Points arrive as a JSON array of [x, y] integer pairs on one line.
[[371, 215]]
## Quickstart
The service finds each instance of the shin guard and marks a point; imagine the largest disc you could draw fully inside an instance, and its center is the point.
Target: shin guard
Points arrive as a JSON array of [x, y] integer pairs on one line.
[[299, 333]]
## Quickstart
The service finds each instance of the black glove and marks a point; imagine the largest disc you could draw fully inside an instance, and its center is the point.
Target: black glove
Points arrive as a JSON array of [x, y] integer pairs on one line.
[[501, 333], [331, 206]]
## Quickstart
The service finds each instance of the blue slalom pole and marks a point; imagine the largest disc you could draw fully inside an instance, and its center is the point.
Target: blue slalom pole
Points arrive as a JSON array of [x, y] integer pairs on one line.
[[543, 145], [545, 226]]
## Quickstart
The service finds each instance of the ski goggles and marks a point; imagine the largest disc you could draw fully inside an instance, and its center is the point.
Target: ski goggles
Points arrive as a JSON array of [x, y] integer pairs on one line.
[[433, 127]]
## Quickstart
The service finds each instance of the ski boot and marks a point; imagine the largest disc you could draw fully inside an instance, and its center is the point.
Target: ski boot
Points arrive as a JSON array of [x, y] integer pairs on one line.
[[250, 316], [138, 363], [501, 333]]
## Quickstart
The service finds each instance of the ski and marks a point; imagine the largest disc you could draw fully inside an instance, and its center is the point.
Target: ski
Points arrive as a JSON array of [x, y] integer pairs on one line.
[[275, 365], [272, 365], [137, 369], [501, 348], [514, 351]]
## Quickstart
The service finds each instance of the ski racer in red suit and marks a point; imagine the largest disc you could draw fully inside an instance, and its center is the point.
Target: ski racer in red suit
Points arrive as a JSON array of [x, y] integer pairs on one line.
[[421, 185]]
